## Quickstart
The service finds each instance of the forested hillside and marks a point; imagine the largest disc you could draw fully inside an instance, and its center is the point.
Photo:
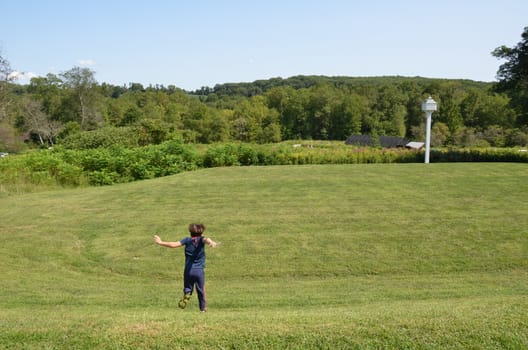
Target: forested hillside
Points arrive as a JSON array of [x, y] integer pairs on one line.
[[68, 109], [74, 110]]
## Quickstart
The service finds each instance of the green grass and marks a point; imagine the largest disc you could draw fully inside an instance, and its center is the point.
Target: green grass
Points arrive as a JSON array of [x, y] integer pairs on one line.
[[404, 256]]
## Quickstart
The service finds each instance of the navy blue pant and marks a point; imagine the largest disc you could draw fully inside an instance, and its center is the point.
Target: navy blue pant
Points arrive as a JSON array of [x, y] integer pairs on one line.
[[195, 278]]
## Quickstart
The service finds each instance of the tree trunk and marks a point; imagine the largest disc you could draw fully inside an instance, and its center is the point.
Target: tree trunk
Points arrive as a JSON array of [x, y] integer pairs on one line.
[[83, 113]]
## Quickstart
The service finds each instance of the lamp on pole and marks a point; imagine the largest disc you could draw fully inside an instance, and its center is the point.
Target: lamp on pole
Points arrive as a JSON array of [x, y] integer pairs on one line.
[[428, 106]]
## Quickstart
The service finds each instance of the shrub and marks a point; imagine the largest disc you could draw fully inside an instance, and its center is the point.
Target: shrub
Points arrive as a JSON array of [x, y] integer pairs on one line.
[[247, 155], [517, 138], [479, 155], [102, 138], [68, 175], [221, 155], [117, 164]]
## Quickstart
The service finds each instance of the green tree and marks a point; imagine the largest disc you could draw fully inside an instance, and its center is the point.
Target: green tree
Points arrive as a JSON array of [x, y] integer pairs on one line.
[[216, 126], [115, 111], [396, 124], [467, 137], [204, 124], [513, 75], [390, 112], [495, 136], [481, 109], [322, 100], [348, 115], [5, 100], [291, 106], [254, 121], [494, 109], [174, 114], [84, 95], [469, 107], [38, 123], [48, 90], [517, 137], [418, 132], [449, 111], [132, 115], [440, 133]]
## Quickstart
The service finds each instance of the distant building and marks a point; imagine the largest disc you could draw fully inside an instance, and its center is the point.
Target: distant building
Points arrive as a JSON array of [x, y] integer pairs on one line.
[[415, 145], [383, 141]]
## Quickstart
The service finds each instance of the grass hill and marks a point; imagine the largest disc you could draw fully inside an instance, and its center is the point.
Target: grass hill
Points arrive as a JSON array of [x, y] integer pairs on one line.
[[319, 256]]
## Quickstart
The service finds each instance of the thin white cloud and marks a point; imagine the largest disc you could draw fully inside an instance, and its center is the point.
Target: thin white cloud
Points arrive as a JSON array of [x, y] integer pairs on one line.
[[86, 62], [21, 77]]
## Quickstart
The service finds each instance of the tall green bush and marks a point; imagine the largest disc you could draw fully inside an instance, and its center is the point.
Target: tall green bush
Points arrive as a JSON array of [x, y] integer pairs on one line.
[[117, 164], [101, 138]]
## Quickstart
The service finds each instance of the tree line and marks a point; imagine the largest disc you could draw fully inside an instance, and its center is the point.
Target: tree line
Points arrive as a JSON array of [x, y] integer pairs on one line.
[[73, 109]]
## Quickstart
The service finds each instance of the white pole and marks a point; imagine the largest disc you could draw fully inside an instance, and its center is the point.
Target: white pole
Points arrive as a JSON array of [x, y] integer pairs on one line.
[[428, 137]]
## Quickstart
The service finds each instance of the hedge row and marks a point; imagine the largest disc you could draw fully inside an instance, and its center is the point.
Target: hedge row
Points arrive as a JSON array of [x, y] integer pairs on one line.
[[479, 155], [106, 166], [103, 166]]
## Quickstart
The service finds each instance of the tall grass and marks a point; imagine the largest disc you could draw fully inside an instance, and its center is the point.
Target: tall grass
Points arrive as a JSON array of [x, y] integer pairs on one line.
[[402, 256], [66, 168]]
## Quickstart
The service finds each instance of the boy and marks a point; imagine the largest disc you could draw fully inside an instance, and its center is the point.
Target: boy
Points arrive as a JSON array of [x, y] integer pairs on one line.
[[193, 275]]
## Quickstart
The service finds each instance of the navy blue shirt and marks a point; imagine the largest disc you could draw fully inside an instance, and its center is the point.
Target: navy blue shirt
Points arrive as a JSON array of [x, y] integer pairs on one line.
[[194, 252]]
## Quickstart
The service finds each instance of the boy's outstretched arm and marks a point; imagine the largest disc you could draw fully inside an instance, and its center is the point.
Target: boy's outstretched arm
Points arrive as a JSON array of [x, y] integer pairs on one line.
[[210, 242], [158, 241]]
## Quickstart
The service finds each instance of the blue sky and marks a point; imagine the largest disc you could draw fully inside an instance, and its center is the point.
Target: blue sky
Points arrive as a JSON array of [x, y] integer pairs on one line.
[[191, 44]]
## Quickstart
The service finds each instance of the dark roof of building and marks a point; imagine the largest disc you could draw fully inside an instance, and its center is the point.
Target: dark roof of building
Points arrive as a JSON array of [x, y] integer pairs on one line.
[[384, 141]]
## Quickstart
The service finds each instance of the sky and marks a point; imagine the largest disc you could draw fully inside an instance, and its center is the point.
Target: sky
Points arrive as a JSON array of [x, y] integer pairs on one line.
[[198, 43]]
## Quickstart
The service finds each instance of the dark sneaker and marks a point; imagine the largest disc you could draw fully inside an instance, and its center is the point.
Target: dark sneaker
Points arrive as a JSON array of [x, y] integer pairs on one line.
[[183, 302]]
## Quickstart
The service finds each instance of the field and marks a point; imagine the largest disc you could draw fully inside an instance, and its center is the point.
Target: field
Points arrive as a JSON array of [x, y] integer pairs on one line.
[[378, 256]]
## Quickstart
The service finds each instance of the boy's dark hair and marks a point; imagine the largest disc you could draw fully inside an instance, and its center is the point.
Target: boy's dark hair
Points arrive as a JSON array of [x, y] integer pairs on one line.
[[196, 230]]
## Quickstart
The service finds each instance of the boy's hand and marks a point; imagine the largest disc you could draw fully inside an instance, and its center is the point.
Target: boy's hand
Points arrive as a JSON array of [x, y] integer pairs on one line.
[[210, 242], [157, 239]]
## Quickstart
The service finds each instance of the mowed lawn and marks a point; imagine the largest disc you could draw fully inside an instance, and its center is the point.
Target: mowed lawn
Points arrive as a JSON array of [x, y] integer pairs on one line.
[[380, 256]]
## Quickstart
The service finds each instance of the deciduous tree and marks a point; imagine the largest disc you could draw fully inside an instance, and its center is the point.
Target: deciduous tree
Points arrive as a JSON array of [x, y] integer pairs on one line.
[[513, 75], [5, 71], [38, 123], [82, 83]]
